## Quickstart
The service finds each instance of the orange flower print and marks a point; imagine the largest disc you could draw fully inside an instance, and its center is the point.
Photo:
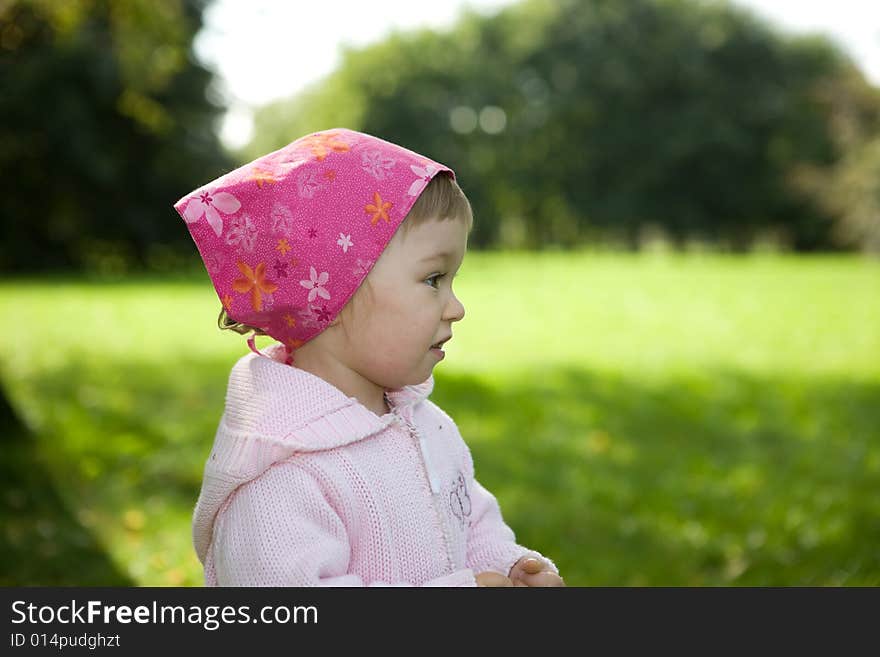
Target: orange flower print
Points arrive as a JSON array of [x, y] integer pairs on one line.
[[378, 209], [294, 344], [323, 145], [262, 177], [227, 302], [255, 282], [283, 247], [330, 175], [291, 322]]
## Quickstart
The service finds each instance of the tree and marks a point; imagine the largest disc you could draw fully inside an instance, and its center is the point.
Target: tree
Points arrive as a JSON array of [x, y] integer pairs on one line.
[[11, 427], [104, 124], [571, 121], [849, 189]]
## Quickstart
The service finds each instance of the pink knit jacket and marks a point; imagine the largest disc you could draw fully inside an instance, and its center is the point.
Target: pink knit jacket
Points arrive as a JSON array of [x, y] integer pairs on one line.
[[307, 487]]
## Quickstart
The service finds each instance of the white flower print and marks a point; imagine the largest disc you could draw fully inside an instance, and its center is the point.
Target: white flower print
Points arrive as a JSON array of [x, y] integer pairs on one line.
[[377, 165], [424, 177], [362, 267], [214, 262], [207, 203], [345, 242], [307, 183], [282, 219], [289, 165], [308, 318], [242, 232], [315, 285]]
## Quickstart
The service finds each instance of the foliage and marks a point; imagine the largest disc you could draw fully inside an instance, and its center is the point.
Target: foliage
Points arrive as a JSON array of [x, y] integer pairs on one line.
[[849, 189], [854, 192], [596, 121], [680, 420], [104, 124], [567, 122]]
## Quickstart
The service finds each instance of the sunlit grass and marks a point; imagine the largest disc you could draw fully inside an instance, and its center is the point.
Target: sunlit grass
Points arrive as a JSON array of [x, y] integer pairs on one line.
[[643, 420], [652, 314]]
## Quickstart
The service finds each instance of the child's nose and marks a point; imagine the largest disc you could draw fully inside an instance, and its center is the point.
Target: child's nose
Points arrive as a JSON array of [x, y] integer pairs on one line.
[[455, 309]]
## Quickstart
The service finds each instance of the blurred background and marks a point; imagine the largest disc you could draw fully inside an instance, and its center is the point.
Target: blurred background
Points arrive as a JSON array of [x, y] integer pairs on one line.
[[670, 368]]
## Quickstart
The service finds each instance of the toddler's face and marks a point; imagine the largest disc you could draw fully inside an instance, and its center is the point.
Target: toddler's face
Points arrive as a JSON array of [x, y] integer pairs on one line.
[[409, 305]]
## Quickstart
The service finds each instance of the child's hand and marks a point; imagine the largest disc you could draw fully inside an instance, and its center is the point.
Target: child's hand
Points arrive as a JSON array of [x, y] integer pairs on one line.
[[489, 578], [530, 571]]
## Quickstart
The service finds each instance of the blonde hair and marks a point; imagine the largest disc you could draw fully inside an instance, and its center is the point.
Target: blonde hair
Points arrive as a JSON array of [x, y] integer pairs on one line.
[[441, 199]]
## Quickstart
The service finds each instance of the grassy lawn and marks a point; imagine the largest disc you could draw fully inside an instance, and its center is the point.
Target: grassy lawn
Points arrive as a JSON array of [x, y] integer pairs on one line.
[[647, 420]]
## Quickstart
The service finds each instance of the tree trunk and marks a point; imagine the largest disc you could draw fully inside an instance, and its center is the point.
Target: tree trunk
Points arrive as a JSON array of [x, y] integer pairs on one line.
[[12, 429]]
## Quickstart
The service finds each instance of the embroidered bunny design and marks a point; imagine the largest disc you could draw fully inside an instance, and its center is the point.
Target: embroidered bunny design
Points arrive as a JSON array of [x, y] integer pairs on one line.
[[460, 501]]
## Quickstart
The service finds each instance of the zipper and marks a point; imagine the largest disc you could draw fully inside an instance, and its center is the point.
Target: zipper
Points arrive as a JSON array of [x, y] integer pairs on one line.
[[429, 475], [423, 448], [426, 457]]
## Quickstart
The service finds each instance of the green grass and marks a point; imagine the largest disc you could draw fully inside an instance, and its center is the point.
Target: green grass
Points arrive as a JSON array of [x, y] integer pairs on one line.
[[676, 420]]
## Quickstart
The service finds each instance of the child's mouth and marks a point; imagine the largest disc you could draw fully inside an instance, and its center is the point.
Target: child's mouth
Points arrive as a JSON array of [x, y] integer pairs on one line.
[[437, 348], [439, 345]]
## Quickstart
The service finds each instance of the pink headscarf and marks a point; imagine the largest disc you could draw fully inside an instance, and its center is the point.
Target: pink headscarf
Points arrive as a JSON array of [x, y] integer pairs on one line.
[[288, 238]]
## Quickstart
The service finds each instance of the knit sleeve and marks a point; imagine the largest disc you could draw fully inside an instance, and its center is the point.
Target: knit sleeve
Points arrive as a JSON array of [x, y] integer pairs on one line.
[[492, 545], [280, 530]]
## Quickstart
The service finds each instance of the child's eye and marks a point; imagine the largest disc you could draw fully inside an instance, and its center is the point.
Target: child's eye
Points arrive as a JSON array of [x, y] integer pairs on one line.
[[432, 279]]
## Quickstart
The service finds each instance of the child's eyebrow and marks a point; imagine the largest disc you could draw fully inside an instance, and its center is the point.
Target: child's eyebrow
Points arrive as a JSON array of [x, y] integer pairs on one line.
[[442, 255]]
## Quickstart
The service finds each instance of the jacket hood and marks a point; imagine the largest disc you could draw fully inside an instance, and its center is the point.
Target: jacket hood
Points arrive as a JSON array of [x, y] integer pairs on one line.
[[273, 411]]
